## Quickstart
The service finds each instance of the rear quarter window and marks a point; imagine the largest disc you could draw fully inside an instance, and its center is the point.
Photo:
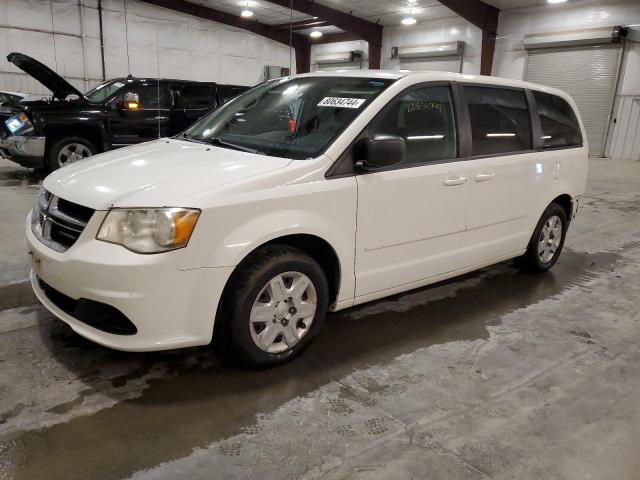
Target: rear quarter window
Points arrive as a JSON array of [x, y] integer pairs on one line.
[[560, 127], [198, 97]]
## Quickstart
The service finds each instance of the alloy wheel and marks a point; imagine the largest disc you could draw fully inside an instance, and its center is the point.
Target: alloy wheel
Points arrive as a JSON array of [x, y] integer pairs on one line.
[[550, 238], [73, 152], [283, 312]]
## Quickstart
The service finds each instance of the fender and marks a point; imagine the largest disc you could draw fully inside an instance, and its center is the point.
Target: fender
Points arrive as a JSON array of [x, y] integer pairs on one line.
[[273, 225]]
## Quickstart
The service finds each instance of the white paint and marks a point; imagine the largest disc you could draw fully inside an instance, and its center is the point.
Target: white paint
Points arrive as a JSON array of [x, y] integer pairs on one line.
[[188, 47], [403, 239]]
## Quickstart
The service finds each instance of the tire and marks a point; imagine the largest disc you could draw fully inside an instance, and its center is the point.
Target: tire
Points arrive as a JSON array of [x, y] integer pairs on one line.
[[67, 150], [544, 247], [263, 326]]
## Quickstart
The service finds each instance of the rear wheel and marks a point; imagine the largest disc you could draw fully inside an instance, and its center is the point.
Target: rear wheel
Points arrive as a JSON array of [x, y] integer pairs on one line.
[[274, 306], [68, 150], [546, 242]]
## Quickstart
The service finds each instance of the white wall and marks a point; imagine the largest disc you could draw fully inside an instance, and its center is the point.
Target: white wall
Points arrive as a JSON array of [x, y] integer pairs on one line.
[[186, 47], [340, 47], [422, 33], [434, 31]]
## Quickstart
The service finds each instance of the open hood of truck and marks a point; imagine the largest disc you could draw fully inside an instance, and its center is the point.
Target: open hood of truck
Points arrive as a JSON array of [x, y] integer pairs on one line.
[[50, 79]]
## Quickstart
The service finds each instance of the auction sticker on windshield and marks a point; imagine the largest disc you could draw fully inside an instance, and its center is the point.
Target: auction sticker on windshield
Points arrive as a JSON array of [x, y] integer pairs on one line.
[[340, 102]]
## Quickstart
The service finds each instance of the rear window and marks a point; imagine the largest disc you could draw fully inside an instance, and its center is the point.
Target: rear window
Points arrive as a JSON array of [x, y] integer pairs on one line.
[[560, 126], [500, 121], [198, 96]]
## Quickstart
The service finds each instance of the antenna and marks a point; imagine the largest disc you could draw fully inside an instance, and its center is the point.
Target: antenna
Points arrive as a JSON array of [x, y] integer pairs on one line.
[[291, 37], [158, 77], [126, 35]]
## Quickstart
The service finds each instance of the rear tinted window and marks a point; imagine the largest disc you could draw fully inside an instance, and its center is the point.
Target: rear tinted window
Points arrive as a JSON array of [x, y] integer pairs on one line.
[[560, 126], [198, 96], [500, 120]]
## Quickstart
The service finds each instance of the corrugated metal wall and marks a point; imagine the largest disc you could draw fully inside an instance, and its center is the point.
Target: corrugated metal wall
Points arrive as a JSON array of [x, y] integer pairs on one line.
[[625, 137], [139, 38]]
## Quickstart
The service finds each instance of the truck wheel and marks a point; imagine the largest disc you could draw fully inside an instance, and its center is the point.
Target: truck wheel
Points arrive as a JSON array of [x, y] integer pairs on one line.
[[68, 150], [546, 242], [273, 307]]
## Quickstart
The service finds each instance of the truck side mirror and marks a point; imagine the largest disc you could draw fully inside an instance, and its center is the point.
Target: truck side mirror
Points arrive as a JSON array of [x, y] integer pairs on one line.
[[379, 152], [131, 102]]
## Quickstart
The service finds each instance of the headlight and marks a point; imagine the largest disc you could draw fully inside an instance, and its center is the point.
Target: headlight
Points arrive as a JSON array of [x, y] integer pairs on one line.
[[149, 230]]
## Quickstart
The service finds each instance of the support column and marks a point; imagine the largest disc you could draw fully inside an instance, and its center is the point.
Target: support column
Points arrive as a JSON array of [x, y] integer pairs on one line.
[[375, 55], [303, 53], [488, 49]]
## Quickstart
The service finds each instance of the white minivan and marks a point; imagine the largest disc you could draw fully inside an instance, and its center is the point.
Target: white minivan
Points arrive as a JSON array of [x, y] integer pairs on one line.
[[306, 194]]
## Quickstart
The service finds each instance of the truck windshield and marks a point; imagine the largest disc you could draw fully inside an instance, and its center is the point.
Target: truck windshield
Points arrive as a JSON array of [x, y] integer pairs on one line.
[[103, 91], [292, 118]]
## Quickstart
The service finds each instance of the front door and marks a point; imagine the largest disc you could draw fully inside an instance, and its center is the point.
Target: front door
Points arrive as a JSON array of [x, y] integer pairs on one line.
[[412, 217], [150, 120]]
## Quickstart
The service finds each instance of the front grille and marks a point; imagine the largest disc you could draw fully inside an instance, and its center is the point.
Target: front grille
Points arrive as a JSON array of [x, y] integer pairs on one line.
[[57, 222], [95, 314]]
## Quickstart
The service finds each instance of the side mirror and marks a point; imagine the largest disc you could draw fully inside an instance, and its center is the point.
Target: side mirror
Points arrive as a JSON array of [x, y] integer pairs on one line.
[[131, 101], [379, 152]]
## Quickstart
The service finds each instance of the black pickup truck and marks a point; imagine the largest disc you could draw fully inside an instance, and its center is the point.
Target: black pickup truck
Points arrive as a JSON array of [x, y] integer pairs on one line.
[[70, 125]]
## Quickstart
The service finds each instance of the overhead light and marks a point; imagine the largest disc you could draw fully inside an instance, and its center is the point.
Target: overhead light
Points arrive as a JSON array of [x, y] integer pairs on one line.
[[315, 34], [246, 13], [556, 1], [408, 21]]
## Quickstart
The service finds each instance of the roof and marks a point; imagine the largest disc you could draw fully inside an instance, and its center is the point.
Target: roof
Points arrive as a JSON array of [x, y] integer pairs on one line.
[[151, 79], [431, 76]]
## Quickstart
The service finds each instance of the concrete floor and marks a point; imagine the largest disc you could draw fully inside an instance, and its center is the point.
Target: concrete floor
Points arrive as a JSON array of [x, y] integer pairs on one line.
[[496, 374]]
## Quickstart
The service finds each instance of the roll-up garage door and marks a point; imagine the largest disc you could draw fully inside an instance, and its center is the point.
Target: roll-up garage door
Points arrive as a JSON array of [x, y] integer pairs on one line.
[[589, 74], [446, 64]]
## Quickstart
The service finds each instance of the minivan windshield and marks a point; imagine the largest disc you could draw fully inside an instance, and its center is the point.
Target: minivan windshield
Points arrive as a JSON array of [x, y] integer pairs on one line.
[[103, 91], [293, 118]]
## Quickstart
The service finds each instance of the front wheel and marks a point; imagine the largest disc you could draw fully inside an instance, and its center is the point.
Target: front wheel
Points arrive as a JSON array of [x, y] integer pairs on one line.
[[547, 241], [68, 150], [275, 305]]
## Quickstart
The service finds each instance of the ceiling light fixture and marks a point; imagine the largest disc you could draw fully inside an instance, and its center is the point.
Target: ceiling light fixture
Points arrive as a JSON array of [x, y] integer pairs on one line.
[[556, 1], [246, 13], [408, 21], [315, 34]]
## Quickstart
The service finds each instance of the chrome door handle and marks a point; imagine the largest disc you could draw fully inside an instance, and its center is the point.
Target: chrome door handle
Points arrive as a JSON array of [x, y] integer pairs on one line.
[[485, 177], [160, 118], [454, 181]]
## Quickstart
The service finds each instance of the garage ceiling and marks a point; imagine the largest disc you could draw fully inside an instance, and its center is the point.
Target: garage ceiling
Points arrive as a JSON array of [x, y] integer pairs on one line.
[[384, 12]]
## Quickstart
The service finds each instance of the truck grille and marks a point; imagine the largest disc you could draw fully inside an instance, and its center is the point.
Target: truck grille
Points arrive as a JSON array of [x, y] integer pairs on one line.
[[57, 222]]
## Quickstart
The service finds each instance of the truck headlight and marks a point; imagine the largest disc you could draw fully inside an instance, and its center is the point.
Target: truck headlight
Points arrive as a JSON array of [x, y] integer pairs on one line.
[[149, 230]]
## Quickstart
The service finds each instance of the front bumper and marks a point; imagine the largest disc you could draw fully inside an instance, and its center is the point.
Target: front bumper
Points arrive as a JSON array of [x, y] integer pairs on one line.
[[170, 307], [25, 150]]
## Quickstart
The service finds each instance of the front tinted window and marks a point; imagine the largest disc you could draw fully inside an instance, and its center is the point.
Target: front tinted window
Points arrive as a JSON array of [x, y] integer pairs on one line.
[[198, 96], [425, 119], [500, 120], [560, 126], [103, 91], [293, 118], [150, 95]]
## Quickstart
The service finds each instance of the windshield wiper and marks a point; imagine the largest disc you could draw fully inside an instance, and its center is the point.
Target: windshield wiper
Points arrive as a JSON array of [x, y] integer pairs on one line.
[[224, 143], [218, 141]]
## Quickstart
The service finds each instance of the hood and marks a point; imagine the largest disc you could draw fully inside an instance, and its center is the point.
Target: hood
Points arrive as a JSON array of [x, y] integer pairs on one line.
[[162, 173], [50, 79]]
